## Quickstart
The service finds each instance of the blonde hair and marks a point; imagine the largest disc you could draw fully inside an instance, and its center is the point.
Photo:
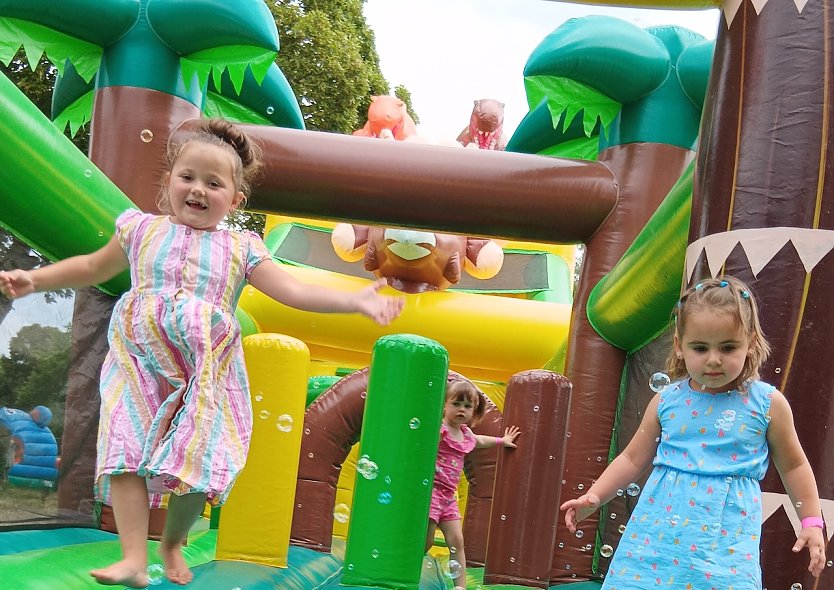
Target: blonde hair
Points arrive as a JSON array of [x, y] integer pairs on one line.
[[460, 390], [246, 155], [722, 295]]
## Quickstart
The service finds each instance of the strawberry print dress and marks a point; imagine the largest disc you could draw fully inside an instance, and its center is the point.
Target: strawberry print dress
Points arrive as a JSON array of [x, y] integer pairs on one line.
[[698, 520]]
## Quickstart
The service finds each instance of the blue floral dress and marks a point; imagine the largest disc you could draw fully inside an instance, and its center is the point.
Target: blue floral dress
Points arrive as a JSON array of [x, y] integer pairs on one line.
[[698, 521]]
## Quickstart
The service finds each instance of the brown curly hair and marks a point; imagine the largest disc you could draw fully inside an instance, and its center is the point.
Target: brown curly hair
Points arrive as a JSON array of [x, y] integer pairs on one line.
[[228, 136], [722, 295], [462, 390]]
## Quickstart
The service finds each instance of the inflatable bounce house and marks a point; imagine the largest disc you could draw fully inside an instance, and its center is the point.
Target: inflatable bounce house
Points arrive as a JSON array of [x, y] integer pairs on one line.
[[670, 157], [32, 457]]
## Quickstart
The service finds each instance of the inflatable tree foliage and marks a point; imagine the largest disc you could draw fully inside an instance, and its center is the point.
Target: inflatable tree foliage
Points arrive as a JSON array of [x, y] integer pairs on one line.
[[596, 78]]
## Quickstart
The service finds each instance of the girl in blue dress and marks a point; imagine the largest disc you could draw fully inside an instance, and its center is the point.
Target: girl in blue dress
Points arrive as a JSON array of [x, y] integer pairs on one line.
[[709, 436]]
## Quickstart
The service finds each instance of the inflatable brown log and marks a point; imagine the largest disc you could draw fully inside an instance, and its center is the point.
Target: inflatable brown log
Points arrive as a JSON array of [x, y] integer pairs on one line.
[[764, 162], [332, 425], [646, 172], [528, 483]]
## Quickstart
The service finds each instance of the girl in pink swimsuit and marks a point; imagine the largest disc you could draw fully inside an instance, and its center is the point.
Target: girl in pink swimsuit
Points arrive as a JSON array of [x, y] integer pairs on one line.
[[464, 408]]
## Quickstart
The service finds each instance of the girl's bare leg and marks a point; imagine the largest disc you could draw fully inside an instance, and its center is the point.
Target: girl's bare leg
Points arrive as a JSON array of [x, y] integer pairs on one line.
[[129, 495], [453, 533], [430, 535], [182, 512]]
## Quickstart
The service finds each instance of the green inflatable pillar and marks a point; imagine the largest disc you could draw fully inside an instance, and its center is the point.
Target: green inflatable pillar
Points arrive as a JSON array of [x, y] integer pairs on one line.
[[395, 471]]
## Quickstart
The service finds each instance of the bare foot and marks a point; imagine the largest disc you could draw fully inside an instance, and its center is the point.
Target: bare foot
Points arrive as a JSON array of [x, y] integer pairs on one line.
[[121, 573], [176, 570]]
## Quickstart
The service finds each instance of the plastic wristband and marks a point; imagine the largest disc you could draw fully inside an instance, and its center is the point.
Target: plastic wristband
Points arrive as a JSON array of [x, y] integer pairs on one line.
[[813, 521], [499, 440]]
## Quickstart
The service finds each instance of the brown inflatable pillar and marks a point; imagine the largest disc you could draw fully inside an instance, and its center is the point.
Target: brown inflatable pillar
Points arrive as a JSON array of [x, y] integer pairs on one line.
[[525, 508], [332, 425], [646, 172], [764, 162]]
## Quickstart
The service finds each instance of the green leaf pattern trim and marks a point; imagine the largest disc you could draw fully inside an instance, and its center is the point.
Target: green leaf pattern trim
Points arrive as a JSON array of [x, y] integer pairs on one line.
[[234, 58], [59, 48], [570, 97], [76, 115]]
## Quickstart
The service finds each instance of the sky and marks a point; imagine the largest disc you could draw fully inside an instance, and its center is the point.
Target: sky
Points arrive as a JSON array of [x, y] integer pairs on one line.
[[449, 53]]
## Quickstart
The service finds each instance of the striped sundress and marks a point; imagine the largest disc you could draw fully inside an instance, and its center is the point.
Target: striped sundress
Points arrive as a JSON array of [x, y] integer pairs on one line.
[[175, 404]]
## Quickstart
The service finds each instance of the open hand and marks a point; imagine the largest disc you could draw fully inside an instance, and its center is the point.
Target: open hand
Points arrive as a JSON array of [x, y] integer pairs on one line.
[[380, 308], [813, 539], [510, 434], [579, 509], [16, 283]]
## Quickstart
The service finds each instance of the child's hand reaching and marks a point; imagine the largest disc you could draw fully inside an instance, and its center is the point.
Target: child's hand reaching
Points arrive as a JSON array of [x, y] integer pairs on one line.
[[813, 539], [380, 308], [579, 509], [16, 283], [510, 434]]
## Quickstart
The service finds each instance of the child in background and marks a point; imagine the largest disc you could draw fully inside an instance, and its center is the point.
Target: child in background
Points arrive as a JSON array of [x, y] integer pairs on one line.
[[176, 414], [464, 408], [709, 436]]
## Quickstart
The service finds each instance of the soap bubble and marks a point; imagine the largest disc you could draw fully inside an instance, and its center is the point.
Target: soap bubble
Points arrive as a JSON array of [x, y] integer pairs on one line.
[[659, 381]]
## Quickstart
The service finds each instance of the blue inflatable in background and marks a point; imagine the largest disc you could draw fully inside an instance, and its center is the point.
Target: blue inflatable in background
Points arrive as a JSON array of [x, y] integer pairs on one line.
[[33, 453]]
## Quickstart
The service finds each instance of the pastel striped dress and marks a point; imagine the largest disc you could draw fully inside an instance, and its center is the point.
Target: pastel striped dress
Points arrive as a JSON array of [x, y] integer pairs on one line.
[[175, 404]]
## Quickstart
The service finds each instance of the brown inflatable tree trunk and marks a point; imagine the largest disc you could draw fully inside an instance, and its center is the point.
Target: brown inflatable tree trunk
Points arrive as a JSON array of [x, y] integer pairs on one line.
[[764, 162]]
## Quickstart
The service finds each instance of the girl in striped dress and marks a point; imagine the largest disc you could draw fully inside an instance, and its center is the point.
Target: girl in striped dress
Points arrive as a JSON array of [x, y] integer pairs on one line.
[[709, 436], [176, 414]]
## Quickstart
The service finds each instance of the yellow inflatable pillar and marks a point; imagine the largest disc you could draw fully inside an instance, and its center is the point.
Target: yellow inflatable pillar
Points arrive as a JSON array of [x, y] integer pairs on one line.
[[255, 522]]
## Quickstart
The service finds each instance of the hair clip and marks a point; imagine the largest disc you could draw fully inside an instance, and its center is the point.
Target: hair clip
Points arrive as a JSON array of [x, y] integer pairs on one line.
[[723, 284], [745, 295], [699, 286]]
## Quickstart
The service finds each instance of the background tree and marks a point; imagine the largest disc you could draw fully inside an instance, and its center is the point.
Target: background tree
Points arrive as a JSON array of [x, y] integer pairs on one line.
[[329, 57], [35, 371]]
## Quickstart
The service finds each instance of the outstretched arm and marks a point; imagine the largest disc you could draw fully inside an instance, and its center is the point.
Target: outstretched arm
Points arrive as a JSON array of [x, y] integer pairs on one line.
[[70, 273], [797, 477], [271, 280], [625, 469], [508, 440]]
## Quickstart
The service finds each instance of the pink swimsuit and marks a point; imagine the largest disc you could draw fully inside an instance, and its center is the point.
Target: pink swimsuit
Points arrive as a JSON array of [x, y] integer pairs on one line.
[[450, 455]]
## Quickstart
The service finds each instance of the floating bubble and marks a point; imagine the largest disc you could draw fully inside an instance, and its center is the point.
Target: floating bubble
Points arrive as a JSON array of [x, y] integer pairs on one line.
[[284, 423], [101, 234], [264, 414], [580, 486], [425, 482], [674, 520], [659, 381], [796, 586], [156, 574], [455, 569], [503, 517], [385, 498], [512, 559], [88, 173], [620, 493], [798, 504], [310, 455], [270, 110], [561, 545], [367, 468], [341, 513], [388, 479], [606, 551], [633, 489], [375, 553], [580, 533], [350, 566], [621, 529], [535, 408], [414, 423], [259, 398], [146, 135], [829, 564], [613, 516]]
